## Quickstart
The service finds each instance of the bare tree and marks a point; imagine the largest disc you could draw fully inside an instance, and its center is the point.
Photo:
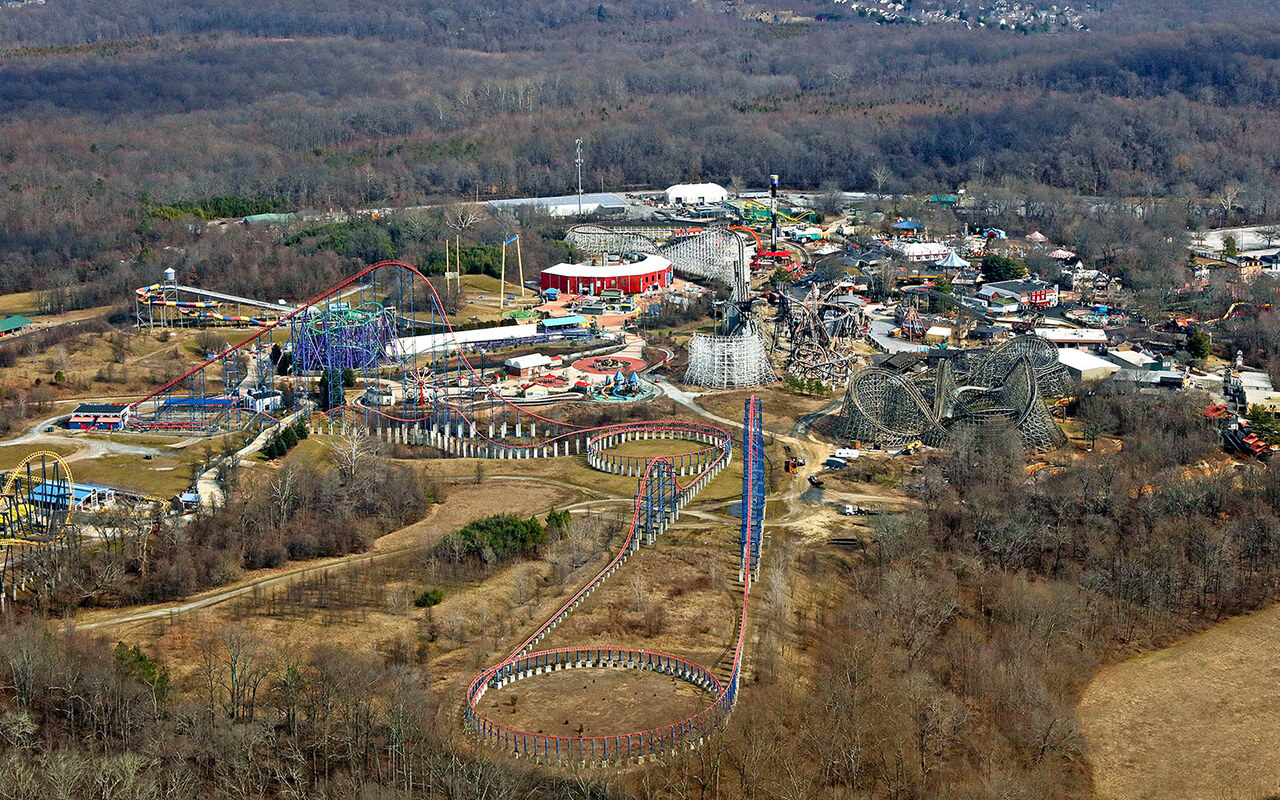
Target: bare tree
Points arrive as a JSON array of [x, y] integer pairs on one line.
[[351, 452], [234, 663], [284, 493], [881, 175], [1228, 196], [460, 218], [1269, 233]]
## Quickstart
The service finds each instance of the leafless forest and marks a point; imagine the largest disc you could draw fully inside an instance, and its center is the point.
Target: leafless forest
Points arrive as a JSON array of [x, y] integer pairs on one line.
[[121, 124]]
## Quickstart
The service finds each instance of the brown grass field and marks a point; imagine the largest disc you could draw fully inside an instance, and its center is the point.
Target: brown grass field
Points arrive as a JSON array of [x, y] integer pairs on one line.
[[779, 409], [1198, 721], [594, 702]]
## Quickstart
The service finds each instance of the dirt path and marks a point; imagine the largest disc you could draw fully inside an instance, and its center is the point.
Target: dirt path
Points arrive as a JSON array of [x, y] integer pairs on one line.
[[417, 536], [1198, 721]]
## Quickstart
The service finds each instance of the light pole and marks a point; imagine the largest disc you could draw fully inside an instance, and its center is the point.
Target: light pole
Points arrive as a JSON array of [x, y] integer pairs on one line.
[[578, 144]]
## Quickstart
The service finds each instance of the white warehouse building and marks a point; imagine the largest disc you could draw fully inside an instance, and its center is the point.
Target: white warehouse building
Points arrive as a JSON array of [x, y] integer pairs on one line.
[[696, 194]]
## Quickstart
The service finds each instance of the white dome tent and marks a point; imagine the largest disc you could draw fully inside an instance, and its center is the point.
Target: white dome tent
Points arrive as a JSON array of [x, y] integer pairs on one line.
[[696, 194]]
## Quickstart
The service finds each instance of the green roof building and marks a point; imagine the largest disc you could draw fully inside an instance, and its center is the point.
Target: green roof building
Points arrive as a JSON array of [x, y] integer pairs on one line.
[[13, 324]]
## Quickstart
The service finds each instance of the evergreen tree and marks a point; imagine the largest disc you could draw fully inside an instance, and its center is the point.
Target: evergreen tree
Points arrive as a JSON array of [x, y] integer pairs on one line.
[[996, 267], [1198, 344], [323, 388]]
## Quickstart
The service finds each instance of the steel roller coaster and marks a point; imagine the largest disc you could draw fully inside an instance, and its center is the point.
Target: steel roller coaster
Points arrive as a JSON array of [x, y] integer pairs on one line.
[[37, 499], [454, 409], [1002, 387]]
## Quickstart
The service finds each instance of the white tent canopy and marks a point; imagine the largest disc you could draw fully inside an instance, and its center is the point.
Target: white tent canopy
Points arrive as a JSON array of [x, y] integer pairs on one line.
[[953, 261]]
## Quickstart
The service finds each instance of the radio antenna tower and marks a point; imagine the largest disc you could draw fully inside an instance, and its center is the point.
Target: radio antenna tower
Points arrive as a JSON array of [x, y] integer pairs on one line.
[[578, 145], [773, 212]]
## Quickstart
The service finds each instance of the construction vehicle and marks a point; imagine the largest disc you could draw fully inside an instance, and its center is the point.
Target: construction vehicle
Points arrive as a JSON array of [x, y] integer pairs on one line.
[[909, 449]]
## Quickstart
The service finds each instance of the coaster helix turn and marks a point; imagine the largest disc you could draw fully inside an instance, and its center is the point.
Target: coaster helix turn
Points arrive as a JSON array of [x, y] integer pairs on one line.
[[659, 499], [450, 405]]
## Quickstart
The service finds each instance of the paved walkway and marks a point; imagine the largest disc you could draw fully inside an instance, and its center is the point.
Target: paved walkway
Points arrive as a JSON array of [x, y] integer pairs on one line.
[[207, 484]]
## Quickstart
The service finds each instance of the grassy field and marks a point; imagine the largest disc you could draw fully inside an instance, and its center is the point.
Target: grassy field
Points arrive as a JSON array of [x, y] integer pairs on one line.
[[1198, 720], [594, 702], [381, 615], [779, 409], [19, 303], [11, 454], [657, 447], [163, 476], [115, 363], [574, 470], [483, 293]]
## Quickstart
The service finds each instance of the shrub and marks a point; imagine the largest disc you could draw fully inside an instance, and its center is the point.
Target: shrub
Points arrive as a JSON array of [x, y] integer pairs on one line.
[[430, 597], [502, 536]]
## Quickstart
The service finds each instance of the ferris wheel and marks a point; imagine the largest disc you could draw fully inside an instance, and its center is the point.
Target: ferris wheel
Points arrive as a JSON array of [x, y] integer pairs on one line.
[[419, 386]]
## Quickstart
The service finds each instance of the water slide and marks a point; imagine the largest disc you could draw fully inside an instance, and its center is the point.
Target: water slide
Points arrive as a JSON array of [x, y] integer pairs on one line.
[[155, 295]]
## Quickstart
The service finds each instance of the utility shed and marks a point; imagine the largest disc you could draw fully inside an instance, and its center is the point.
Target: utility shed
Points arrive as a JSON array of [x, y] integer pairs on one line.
[[1084, 366]]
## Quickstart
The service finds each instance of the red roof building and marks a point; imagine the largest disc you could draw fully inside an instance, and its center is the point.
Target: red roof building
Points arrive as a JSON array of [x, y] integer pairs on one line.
[[631, 277]]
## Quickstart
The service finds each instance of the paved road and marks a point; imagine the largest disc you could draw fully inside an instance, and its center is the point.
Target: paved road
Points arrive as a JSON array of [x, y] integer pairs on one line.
[[207, 483], [879, 329]]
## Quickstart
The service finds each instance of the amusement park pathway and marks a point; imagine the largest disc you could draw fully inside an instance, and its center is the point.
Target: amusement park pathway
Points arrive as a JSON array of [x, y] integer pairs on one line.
[[207, 484]]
